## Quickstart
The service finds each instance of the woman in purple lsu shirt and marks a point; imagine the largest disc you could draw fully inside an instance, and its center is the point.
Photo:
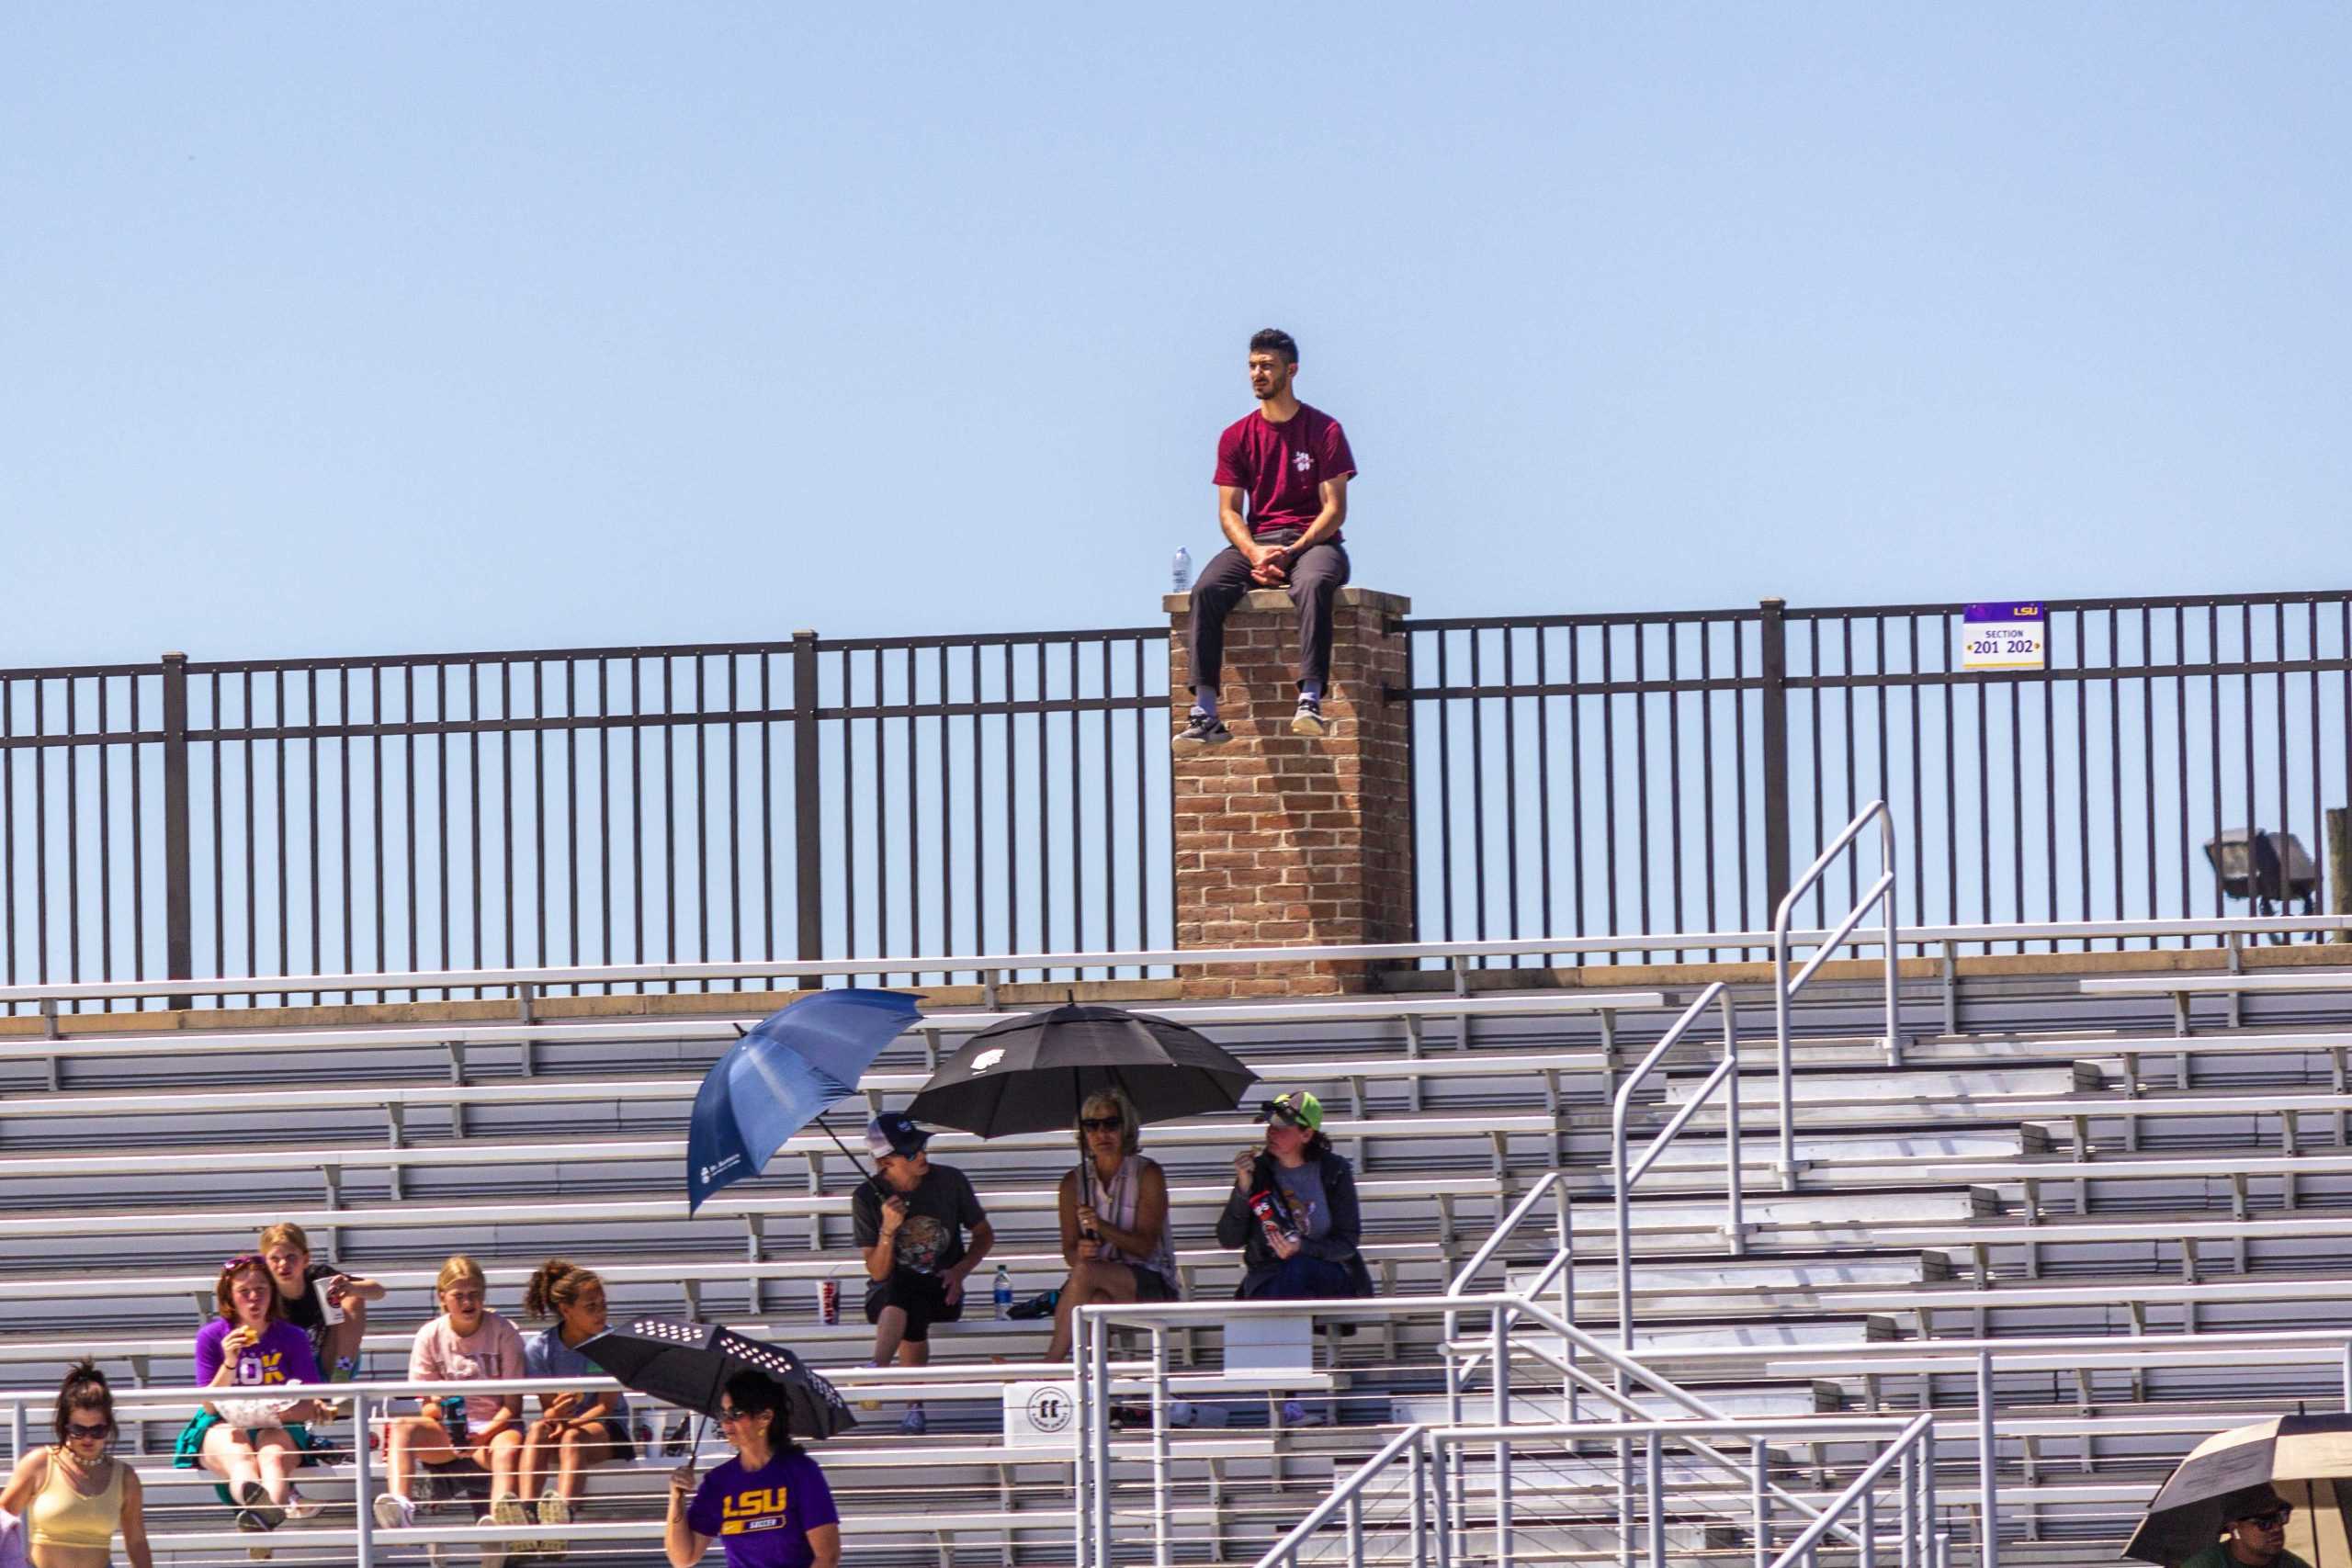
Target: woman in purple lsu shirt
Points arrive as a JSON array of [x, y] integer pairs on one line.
[[769, 1504]]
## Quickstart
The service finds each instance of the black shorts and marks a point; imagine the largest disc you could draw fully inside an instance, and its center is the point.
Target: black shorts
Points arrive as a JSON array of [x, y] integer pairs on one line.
[[1151, 1285], [923, 1297]]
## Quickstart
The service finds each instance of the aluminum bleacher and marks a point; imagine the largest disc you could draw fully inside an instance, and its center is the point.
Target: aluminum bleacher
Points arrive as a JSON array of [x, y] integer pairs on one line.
[[2066, 1172]]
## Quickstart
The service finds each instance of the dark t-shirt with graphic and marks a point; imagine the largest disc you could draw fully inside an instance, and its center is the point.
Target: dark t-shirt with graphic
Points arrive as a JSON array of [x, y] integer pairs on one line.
[[941, 1209]]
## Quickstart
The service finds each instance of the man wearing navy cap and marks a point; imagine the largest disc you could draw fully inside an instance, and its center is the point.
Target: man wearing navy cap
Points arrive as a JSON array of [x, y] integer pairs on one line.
[[911, 1218]]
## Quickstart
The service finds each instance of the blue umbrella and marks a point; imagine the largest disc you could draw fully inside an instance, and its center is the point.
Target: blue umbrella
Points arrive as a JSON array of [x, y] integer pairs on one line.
[[780, 1077]]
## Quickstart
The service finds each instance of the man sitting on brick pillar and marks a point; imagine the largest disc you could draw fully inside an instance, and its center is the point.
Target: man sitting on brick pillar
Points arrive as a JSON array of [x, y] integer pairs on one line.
[[1290, 464]]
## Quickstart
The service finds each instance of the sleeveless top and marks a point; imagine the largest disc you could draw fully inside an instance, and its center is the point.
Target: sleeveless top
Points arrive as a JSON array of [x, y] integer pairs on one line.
[[1116, 1201], [60, 1516]]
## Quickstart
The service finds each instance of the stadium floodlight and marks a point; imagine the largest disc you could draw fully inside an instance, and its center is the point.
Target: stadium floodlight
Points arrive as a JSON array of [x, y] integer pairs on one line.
[[2272, 869]]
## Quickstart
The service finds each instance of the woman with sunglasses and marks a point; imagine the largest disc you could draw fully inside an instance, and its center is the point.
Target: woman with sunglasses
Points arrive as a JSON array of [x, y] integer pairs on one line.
[[253, 1443], [769, 1504], [1115, 1218], [74, 1497]]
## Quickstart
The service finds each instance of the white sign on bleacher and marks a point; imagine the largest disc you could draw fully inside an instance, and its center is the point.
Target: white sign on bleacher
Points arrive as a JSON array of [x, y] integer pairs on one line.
[[1041, 1416]]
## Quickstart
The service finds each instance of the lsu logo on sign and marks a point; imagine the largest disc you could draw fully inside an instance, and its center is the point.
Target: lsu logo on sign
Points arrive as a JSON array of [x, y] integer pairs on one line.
[[759, 1509]]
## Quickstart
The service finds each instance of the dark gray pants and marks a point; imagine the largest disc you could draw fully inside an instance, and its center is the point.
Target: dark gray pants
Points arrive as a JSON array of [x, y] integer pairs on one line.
[[1316, 579]]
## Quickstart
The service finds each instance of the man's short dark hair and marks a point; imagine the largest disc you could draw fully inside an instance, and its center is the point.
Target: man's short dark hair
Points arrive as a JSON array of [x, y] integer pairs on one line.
[[1273, 340]]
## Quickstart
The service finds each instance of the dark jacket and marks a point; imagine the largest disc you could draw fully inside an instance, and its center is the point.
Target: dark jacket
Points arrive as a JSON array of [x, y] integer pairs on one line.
[[1237, 1226]]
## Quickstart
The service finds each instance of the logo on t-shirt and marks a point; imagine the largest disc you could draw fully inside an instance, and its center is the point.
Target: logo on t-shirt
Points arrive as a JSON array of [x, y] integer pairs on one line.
[[759, 1508], [1302, 461]]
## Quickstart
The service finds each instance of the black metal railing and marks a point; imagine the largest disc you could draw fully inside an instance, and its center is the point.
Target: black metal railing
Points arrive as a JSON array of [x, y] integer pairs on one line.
[[802, 798], [1605, 774]]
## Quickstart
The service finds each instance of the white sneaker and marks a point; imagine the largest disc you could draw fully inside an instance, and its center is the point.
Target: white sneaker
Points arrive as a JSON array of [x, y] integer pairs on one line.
[[394, 1512], [300, 1508]]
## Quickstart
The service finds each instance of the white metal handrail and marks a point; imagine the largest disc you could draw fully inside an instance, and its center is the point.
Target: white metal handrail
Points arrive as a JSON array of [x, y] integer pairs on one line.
[[1784, 990], [1348, 1495], [992, 966], [1724, 1077]]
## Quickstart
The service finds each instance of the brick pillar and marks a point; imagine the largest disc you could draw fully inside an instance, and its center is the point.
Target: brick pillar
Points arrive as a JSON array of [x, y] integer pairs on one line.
[[1282, 839]]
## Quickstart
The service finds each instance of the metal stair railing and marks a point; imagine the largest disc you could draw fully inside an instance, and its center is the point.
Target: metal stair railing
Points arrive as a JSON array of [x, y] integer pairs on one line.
[[1784, 990], [1726, 1078]]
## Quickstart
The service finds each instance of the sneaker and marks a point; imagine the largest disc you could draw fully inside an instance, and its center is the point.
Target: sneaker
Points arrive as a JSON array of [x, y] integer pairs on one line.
[[253, 1499], [1042, 1305], [300, 1508], [509, 1511], [1296, 1413], [914, 1423], [554, 1509], [1309, 719], [1203, 729], [394, 1512]]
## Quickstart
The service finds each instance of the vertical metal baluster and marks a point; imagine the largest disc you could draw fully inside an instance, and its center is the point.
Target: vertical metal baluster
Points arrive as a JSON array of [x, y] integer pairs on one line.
[[2180, 741], [1575, 785], [2213, 719], [1110, 810], [74, 842], [539, 809], [1477, 800], [735, 811], [2245, 724], [1143, 857], [441, 795], [914, 824], [2049, 793], [408, 798], [980, 795], [1444, 798], [604, 814], [947, 813], [1812, 721], [9, 854], [1011, 878], [1077, 822], [1707, 772], [1642, 783], [1045, 820], [767, 806], [311, 793], [1739, 769], [1951, 777], [277, 765], [1918, 789], [1544, 789], [849, 806], [138, 848], [1510, 793], [1853, 800], [1607, 785], [1673, 773], [637, 810], [702, 813], [2148, 744], [106, 849]]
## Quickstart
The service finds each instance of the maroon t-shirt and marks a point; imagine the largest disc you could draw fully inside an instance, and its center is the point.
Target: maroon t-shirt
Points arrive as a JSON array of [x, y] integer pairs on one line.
[[1280, 466]]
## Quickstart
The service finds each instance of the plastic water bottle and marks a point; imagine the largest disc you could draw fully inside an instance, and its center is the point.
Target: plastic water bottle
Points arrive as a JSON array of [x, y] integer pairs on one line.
[[1179, 575], [1003, 1290]]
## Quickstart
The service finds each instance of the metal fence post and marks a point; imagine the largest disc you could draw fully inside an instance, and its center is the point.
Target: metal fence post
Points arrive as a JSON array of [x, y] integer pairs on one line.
[[808, 805], [1775, 671], [179, 937]]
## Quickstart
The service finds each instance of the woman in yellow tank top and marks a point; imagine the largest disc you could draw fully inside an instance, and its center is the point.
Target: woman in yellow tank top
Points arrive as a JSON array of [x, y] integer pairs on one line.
[[74, 1496]]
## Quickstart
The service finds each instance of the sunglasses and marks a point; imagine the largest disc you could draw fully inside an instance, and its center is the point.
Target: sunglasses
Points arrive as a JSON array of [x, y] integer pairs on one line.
[[89, 1434], [1102, 1123], [727, 1415], [245, 1260], [2271, 1520]]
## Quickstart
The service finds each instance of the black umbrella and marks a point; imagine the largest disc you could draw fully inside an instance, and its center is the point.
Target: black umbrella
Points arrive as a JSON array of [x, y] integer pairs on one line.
[[688, 1364], [1031, 1074]]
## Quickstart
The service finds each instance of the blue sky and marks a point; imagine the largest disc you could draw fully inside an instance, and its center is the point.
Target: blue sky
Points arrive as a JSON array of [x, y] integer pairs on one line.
[[440, 327]]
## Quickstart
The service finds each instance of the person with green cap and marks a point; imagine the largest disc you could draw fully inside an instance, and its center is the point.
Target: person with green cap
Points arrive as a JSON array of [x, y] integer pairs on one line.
[[1293, 1213], [1292, 1210]]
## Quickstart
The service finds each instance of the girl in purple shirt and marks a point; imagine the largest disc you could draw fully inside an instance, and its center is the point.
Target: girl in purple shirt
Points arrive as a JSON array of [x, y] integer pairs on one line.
[[253, 1443]]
